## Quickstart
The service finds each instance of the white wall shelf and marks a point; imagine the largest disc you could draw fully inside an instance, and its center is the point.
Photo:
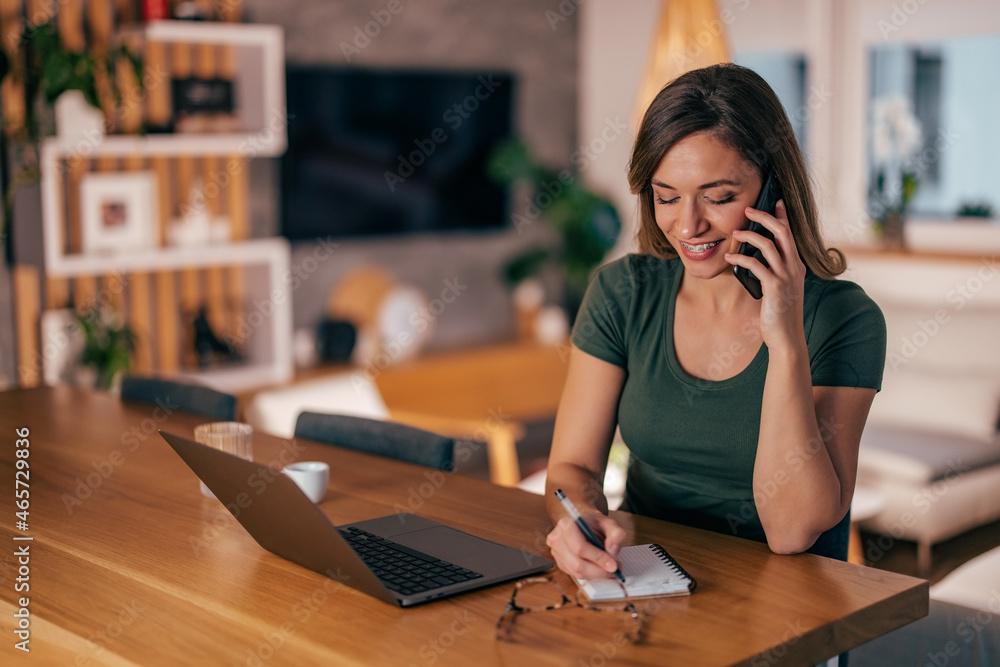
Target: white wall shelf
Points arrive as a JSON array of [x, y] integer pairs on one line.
[[259, 87], [256, 251], [268, 142], [265, 312]]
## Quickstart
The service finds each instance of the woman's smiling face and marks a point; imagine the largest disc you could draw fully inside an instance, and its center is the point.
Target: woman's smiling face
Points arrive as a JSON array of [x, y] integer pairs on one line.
[[700, 191]]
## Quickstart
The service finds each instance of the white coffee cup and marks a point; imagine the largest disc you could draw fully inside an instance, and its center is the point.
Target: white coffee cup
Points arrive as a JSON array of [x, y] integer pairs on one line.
[[311, 476]]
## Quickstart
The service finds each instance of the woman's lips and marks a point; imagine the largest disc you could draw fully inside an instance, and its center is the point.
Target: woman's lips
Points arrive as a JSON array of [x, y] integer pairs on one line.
[[701, 250]]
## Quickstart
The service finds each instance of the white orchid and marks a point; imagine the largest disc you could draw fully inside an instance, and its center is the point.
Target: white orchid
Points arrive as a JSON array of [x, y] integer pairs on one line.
[[896, 131], [896, 138]]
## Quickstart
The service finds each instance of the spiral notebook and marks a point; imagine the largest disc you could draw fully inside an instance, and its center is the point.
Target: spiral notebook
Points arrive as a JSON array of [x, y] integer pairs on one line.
[[649, 572]]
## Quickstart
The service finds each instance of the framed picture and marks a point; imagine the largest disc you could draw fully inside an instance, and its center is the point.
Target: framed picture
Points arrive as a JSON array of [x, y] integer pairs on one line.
[[117, 211]]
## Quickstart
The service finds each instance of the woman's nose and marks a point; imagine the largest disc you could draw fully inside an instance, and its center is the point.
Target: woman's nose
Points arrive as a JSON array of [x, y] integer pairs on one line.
[[691, 223]]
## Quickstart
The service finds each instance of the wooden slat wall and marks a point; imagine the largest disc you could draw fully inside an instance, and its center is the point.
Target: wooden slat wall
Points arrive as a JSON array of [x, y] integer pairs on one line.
[[11, 89], [168, 346], [84, 293], [27, 307], [140, 319], [190, 303], [236, 204], [100, 19], [127, 11], [206, 66], [158, 88], [220, 289], [56, 293], [40, 11], [168, 338], [71, 25], [157, 305], [77, 167], [140, 300], [112, 293], [131, 106], [191, 299]]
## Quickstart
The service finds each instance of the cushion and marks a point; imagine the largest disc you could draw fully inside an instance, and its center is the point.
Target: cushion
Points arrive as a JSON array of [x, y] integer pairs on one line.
[[966, 405], [920, 456], [975, 584], [345, 393]]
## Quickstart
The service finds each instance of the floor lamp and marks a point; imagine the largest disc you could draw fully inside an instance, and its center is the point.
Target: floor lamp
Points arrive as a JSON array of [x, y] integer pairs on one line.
[[689, 34]]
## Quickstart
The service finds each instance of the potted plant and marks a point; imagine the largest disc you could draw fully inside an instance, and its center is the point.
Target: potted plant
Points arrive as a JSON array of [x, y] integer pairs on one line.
[[896, 139], [980, 210], [108, 345], [587, 224]]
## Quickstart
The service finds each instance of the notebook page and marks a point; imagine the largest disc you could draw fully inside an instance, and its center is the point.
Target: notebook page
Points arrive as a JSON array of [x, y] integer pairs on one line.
[[646, 573]]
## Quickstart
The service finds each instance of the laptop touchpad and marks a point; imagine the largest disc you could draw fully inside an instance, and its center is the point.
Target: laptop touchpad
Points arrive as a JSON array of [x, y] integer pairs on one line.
[[450, 544]]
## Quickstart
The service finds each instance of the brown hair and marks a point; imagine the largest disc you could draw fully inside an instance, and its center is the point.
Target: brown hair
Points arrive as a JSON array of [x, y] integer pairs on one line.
[[737, 106]]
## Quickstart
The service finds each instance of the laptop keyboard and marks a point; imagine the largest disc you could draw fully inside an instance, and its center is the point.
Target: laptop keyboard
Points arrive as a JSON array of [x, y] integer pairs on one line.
[[402, 569]]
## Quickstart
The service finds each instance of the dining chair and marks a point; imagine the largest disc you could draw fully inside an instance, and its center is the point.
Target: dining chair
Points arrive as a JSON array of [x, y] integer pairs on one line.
[[389, 439], [192, 398]]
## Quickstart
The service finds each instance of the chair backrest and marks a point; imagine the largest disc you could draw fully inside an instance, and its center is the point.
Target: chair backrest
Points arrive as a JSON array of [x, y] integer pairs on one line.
[[389, 439], [181, 396]]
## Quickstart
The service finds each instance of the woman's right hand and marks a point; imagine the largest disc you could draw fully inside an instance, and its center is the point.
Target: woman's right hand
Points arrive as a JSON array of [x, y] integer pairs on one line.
[[577, 557], [585, 427]]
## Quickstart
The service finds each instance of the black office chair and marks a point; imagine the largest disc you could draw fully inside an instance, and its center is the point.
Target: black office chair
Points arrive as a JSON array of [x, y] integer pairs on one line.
[[389, 439], [181, 396]]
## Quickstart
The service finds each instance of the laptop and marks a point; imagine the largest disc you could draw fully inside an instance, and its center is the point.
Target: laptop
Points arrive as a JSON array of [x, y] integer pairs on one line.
[[402, 559]]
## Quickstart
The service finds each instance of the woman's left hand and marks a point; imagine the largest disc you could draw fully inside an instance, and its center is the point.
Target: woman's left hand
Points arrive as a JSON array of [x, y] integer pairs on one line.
[[782, 283]]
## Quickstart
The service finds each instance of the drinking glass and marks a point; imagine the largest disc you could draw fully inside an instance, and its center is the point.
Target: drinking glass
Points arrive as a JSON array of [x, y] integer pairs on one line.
[[235, 438]]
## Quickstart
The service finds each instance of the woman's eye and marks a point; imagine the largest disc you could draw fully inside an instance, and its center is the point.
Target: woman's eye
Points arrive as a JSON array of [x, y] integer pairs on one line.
[[719, 202]]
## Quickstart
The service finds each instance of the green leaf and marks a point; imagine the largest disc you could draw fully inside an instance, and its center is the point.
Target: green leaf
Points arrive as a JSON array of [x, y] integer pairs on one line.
[[587, 224], [910, 183], [107, 347]]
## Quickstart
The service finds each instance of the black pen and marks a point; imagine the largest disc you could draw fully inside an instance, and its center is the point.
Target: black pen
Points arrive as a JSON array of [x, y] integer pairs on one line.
[[584, 528]]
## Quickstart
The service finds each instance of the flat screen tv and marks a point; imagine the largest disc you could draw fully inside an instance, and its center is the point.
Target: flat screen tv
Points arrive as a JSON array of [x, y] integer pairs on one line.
[[375, 152]]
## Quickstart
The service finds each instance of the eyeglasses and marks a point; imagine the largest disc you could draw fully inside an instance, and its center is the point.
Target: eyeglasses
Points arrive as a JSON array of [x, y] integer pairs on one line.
[[545, 594]]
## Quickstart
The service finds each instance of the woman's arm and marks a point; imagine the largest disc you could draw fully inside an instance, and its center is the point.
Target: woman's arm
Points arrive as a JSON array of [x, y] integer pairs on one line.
[[807, 451], [585, 426]]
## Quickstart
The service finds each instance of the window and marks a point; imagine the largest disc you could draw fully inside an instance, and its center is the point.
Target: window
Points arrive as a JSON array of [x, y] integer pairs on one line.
[[785, 72], [953, 88]]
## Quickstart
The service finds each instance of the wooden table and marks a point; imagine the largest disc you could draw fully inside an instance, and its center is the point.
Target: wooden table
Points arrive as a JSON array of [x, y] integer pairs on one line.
[[131, 565]]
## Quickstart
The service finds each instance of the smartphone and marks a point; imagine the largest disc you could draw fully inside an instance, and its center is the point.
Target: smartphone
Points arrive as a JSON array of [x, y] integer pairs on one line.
[[769, 195]]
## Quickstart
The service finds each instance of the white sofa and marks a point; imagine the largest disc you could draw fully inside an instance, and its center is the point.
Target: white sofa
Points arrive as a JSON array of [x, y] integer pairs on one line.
[[931, 447]]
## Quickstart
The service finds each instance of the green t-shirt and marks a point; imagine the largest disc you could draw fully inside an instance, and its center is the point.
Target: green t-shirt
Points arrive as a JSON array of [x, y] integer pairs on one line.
[[694, 441]]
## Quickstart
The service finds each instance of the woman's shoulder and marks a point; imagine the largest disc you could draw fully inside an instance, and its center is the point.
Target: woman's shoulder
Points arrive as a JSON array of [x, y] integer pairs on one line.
[[838, 299], [845, 332], [829, 287]]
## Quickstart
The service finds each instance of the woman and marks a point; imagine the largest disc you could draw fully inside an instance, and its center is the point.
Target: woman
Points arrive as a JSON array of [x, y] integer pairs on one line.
[[742, 416]]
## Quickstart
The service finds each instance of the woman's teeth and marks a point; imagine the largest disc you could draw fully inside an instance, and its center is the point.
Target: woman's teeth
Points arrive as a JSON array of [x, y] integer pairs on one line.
[[703, 247]]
